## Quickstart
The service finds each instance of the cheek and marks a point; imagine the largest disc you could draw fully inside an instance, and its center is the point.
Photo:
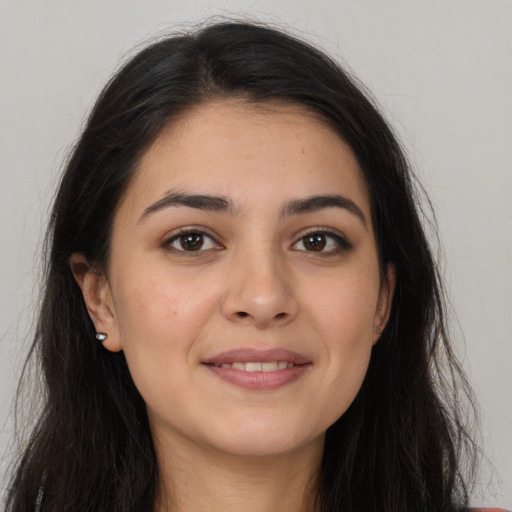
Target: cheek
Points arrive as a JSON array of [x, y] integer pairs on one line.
[[344, 309], [142, 307], [160, 314], [343, 316], [158, 322], [156, 298]]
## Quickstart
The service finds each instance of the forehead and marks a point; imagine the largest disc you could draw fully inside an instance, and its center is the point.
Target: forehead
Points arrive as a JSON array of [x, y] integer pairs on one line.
[[255, 154]]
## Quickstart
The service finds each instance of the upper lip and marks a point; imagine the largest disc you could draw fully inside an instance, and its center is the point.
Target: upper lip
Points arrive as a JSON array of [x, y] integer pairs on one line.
[[250, 355]]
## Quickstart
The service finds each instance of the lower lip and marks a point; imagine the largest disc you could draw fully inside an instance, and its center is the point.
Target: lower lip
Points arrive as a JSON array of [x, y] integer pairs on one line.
[[259, 381]]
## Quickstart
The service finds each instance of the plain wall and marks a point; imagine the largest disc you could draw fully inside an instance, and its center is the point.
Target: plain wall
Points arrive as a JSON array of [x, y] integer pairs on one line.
[[442, 70]]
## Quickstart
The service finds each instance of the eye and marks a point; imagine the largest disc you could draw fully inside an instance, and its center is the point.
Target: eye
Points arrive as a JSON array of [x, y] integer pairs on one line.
[[322, 242], [191, 241]]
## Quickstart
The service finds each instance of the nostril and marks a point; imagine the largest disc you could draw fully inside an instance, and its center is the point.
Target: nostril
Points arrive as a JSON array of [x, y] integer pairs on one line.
[[280, 315], [242, 314]]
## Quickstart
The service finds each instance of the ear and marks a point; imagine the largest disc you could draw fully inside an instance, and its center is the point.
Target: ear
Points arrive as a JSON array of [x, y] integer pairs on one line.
[[385, 301], [98, 300]]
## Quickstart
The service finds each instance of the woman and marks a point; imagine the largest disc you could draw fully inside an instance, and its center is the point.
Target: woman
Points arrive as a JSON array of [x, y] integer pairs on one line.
[[241, 310]]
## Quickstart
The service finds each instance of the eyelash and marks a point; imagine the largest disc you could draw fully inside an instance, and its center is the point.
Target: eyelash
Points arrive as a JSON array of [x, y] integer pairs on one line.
[[342, 244], [168, 243]]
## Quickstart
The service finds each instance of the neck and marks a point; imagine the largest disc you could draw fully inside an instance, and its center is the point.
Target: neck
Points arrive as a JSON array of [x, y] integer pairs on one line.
[[193, 478]]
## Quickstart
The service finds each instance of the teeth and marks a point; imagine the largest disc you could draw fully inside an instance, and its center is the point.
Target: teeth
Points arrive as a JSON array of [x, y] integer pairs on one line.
[[269, 366], [253, 367]]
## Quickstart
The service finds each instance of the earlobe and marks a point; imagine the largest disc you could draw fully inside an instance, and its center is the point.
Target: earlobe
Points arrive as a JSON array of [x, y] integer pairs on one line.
[[385, 301], [98, 300]]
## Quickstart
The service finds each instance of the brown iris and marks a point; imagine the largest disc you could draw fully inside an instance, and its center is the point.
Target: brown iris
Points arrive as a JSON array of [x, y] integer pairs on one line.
[[191, 241], [314, 242]]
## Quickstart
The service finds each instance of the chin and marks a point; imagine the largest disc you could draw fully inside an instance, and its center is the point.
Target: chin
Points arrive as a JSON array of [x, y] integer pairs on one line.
[[250, 449], [266, 441]]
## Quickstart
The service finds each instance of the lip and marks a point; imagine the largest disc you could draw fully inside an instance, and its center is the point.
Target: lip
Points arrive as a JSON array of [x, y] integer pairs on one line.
[[259, 380], [250, 355]]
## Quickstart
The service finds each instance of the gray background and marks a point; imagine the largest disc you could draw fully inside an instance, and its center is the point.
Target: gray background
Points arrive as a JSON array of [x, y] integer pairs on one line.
[[442, 70]]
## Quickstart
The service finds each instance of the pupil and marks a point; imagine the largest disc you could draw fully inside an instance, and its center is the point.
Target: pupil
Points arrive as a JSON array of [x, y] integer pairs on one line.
[[314, 242], [191, 242]]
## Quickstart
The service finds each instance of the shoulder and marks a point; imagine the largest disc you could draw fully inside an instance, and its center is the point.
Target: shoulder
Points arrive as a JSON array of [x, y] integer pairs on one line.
[[489, 510]]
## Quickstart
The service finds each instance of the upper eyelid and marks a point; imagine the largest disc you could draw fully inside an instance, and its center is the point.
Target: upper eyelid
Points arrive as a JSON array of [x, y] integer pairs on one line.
[[200, 230], [325, 230]]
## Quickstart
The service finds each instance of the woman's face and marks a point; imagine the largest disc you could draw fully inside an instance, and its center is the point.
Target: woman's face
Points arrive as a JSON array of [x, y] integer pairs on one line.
[[243, 284]]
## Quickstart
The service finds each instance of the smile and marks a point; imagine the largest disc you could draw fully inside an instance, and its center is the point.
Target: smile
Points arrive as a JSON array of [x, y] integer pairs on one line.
[[271, 366], [258, 370]]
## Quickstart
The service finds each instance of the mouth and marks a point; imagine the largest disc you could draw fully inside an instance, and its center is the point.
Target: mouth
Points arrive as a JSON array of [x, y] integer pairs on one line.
[[257, 366], [258, 370]]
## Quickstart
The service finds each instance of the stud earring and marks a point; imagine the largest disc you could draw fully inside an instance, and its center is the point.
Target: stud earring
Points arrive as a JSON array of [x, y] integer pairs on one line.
[[101, 336]]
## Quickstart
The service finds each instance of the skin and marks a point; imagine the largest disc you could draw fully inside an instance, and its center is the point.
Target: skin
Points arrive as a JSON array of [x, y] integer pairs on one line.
[[255, 283]]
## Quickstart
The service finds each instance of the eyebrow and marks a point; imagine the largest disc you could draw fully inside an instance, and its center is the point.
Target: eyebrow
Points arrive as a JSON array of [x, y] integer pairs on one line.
[[225, 205], [199, 201], [320, 202]]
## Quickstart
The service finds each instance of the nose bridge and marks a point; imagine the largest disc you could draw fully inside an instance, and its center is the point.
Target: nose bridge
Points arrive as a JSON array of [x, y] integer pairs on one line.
[[259, 288]]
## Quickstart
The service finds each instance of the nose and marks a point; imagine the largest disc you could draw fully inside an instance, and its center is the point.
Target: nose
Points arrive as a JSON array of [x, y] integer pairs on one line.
[[259, 292]]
